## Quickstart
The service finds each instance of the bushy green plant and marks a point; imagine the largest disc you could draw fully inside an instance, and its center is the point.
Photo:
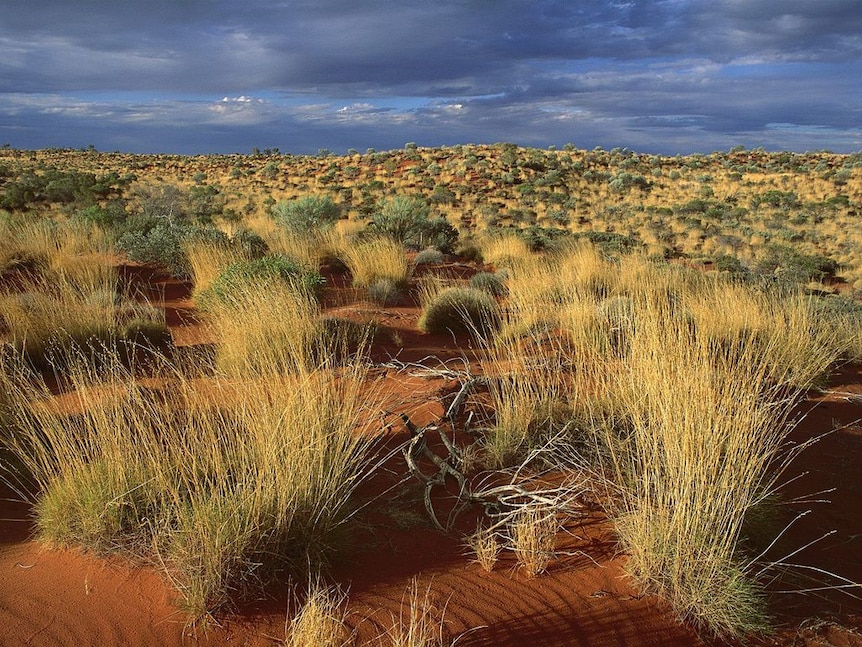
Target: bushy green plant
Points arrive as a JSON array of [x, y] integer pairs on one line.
[[792, 266], [460, 309], [728, 263], [429, 256], [383, 291], [469, 251], [150, 240], [107, 217], [268, 268], [489, 282], [162, 241], [409, 221], [611, 243], [250, 244], [306, 213]]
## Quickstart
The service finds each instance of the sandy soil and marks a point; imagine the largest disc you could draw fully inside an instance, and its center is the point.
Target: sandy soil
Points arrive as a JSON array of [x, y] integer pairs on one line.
[[63, 597]]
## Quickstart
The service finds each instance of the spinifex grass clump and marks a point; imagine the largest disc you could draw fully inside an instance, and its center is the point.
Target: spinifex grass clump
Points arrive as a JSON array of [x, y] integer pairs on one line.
[[701, 440], [61, 314], [321, 620], [457, 309], [798, 341], [221, 483], [271, 269], [677, 387], [698, 447], [377, 259], [268, 327]]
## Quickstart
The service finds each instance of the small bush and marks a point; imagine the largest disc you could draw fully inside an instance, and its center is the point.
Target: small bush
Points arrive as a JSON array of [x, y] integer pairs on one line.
[[384, 291], [249, 244], [486, 545], [792, 266], [469, 252], [429, 256], [727, 263], [460, 309], [489, 282], [273, 267], [307, 213], [156, 241], [408, 221]]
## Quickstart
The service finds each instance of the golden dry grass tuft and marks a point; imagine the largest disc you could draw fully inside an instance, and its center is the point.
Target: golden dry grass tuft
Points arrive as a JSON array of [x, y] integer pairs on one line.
[[377, 259], [486, 547], [321, 620], [533, 537], [220, 482], [420, 621]]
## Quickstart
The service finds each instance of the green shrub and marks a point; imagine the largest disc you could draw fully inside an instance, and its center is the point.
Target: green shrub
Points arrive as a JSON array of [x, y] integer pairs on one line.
[[792, 266], [267, 268], [460, 309], [489, 282], [162, 241], [306, 213], [384, 291], [250, 244], [728, 263], [429, 256], [151, 240], [470, 252], [106, 218], [610, 243], [409, 221]]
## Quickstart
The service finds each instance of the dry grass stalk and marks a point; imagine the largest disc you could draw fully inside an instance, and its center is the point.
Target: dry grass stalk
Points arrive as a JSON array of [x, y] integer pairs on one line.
[[376, 259], [321, 621], [533, 536], [420, 621], [486, 547]]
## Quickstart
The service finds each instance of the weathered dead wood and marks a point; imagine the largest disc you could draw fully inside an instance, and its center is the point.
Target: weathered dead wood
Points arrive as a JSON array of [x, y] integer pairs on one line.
[[501, 502]]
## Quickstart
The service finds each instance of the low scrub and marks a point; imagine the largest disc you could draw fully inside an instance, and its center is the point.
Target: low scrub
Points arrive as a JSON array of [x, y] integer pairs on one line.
[[221, 486], [237, 276], [408, 221], [377, 259], [307, 213], [492, 283], [429, 256], [460, 309]]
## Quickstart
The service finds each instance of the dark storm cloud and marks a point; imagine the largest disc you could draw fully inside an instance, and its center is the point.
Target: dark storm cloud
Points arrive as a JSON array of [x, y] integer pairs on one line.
[[373, 73]]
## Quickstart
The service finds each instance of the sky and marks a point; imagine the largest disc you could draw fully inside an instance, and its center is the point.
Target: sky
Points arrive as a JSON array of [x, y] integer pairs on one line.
[[227, 76]]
